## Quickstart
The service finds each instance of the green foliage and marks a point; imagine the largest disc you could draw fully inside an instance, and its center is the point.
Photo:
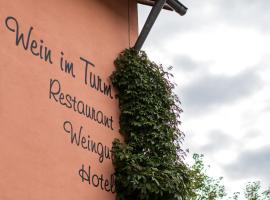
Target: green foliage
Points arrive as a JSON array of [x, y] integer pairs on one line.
[[266, 194], [253, 192], [204, 187], [235, 196], [148, 164]]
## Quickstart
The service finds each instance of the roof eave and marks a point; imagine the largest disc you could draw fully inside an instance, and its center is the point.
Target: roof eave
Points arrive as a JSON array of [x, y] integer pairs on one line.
[[173, 5], [152, 3]]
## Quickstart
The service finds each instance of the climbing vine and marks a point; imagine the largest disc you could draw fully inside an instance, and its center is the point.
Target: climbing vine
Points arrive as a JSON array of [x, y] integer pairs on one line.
[[148, 163]]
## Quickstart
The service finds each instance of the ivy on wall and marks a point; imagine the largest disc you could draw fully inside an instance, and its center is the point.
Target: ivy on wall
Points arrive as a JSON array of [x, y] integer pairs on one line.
[[148, 164]]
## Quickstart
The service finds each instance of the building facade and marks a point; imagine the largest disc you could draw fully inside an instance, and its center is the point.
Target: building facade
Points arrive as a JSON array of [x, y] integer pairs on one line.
[[58, 111]]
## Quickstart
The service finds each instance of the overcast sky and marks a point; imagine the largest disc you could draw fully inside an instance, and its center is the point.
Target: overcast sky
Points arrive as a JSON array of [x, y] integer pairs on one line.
[[220, 51]]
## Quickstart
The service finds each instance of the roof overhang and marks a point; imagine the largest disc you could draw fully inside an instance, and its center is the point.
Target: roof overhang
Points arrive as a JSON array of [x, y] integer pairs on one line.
[[152, 3], [172, 5]]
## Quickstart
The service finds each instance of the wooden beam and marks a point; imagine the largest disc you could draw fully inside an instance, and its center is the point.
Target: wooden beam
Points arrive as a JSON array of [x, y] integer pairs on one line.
[[149, 23], [152, 3], [177, 6]]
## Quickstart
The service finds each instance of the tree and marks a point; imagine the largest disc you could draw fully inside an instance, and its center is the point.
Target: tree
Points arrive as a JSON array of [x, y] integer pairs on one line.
[[253, 192], [203, 186]]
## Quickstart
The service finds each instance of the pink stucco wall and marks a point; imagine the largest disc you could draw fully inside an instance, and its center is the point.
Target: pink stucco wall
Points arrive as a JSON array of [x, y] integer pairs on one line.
[[44, 101]]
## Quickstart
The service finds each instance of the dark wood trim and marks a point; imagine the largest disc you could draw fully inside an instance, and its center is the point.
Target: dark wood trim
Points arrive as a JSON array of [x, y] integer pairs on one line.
[[149, 23], [152, 3]]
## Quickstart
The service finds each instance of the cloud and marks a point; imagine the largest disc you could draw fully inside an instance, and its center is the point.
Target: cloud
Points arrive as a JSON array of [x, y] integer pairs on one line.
[[248, 14], [218, 141], [185, 63], [252, 134], [266, 107], [232, 26], [168, 24], [250, 164], [210, 90]]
